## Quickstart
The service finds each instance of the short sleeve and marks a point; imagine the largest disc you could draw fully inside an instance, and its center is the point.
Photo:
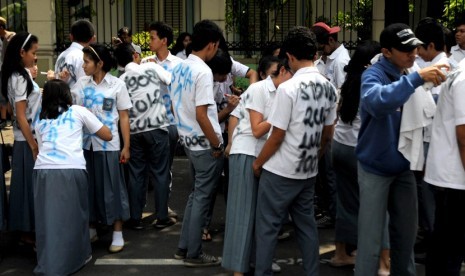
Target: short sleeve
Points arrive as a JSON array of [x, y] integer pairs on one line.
[[123, 101], [257, 100], [458, 102], [281, 111], [204, 89], [89, 120], [20, 88], [238, 69]]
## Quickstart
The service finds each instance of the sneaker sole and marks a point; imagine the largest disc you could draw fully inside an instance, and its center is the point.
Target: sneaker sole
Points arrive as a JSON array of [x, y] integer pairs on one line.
[[188, 264], [179, 257]]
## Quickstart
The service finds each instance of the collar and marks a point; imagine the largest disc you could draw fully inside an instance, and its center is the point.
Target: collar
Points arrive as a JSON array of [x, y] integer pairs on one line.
[[106, 79], [269, 85], [336, 52], [456, 48], [131, 66], [305, 70], [388, 67], [195, 58], [169, 57], [76, 45], [437, 58]]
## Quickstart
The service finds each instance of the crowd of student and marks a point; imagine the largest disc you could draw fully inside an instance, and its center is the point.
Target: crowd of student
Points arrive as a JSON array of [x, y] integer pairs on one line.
[[371, 123]]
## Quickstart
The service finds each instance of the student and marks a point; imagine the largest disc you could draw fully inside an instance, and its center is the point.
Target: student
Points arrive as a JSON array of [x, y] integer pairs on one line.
[[5, 37], [69, 65], [24, 100], [386, 183], [200, 133], [107, 98], [125, 36], [149, 135], [60, 182], [248, 139], [179, 49], [302, 118], [458, 51]]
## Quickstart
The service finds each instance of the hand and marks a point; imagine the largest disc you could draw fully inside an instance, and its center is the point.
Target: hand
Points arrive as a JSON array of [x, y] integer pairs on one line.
[[50, 75], [236, 90], [217, 153], [64, 75], [124, 156], [227, 150], [35, 152], [233, 101], [434, 74], [257, 170]]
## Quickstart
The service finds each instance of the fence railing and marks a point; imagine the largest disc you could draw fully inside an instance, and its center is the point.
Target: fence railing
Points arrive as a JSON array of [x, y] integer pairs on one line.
[[14, 12]]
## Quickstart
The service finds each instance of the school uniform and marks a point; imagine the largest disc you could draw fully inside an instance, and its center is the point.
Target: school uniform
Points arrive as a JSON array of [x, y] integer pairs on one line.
[[192, 86], [242, 194], [302, 107], [107, 189], [21, 208], [149, 136], [61, 192], [71, 60]]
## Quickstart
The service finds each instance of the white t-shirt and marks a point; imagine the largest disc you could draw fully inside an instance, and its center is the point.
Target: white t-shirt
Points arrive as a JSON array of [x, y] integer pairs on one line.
[[347, 134], [303, 105], [60, 139], [238, 69], [182, 54], [258, 97], [144, 83], [457, 53], [335, 64], [168, 64], [104, 100], [443, 164], [71, 59], [192, 86], [17, 92]]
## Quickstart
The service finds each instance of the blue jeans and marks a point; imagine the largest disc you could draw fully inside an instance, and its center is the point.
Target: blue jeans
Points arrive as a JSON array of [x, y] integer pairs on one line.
[[205, 170], [398, 196], [149, 150]]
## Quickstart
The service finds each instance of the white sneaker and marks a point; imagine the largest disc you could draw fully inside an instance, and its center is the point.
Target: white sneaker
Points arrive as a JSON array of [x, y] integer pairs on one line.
[[275, 268], [171, 213]]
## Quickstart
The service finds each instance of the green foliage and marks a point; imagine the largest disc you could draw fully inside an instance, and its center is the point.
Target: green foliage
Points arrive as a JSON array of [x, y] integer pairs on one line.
[[142, 39], [358, 18], [454, 10], [15, 15]]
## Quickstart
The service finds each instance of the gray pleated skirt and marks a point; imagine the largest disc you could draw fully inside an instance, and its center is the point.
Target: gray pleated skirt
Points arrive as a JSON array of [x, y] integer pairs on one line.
[[21, 209], [62, 220], [3, 200], [240, 214], [108, 196]]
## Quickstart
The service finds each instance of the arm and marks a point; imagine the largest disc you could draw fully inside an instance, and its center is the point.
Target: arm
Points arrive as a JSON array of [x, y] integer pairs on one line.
[[125, 132], [206, 126], [233, 121], [25, 128], [259, 126], [271, 146], [233, 101], [460, 133], [252, 75], [104, 133], [326, 138]]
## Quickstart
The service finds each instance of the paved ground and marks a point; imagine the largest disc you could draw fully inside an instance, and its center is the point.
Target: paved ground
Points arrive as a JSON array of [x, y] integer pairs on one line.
[[149, 251]]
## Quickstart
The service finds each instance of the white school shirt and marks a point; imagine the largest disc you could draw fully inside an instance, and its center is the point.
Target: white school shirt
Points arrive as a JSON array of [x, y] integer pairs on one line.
[[60, 139], [192, 86], [303, 105], [104, 100], [168, 64], [144, 83], [335, 63], [443, 165], [347, 133], [17, 92], [71, 59], [457, 53], [258, 97], [182, 54]]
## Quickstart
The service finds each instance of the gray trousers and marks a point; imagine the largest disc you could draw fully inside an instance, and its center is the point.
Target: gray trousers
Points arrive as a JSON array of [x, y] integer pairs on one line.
[[205, 171], [398, 196], [277, 195], [149, 149]]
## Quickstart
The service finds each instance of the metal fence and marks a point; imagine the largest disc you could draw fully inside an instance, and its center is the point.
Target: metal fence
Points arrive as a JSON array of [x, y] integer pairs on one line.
[[14, 11]]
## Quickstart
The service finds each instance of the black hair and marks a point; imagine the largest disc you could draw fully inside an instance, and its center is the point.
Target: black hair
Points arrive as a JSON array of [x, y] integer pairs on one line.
[[322, 35], [221, 63], [350, 90], [82, 31], [299, 42], [265, 63], [205, 31], [101, 54], [283, 62], [163, 30], [56, 99], [270, 48], [449, 39], [429, 30], [12, 62], [124, 54], [179, 45], [124, 30]]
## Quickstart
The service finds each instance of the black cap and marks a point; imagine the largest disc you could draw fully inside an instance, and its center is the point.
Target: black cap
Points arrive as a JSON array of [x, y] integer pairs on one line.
[[400, 37]]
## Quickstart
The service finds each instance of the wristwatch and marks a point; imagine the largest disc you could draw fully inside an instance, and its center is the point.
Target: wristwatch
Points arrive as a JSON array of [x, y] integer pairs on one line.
[[220, 147]]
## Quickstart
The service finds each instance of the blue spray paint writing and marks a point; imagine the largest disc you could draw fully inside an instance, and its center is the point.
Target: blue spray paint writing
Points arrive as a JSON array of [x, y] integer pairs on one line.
[[182, 76]]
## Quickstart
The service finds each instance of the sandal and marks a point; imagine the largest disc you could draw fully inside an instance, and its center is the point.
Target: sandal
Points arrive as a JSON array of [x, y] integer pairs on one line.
[[206, 236]]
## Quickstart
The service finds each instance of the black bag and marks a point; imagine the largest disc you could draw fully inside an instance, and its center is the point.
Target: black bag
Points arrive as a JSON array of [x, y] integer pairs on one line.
[[6, 152]]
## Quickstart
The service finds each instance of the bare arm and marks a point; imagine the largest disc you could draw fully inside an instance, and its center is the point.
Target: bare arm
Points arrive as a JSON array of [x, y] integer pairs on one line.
[[125, 132], [104, 133], [271, 146], [252, 75], [25, 128], [232, 124], [326, 138], [460, 133], [258, 125], [233, 101]]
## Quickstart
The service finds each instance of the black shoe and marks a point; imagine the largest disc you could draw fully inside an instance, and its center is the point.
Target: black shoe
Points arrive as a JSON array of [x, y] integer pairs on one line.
[[160, 224], [325, 222], [135, 224], [202, 260], [180, 254]]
